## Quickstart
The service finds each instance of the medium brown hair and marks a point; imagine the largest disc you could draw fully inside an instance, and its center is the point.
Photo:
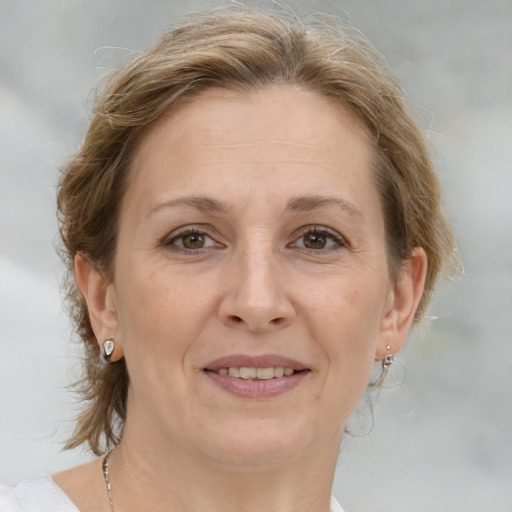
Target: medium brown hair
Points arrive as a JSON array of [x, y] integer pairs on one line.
[[243, 49]]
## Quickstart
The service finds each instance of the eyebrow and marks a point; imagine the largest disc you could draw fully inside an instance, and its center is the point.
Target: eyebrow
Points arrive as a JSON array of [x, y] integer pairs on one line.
[[308, 203], [203, 204], [296, 204]]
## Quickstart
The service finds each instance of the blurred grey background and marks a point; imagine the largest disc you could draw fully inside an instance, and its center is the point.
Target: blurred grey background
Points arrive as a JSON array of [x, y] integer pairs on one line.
[[442, 439]]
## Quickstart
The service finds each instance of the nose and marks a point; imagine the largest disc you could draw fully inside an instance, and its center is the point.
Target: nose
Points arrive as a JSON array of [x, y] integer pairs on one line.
[[256, 295]]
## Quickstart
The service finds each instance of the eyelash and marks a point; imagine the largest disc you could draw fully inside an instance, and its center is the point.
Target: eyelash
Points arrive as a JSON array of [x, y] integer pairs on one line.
[[170, 241], [339, 240]]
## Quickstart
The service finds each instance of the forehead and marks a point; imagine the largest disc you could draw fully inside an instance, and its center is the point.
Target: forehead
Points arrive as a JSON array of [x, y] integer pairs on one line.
[[279, 135]]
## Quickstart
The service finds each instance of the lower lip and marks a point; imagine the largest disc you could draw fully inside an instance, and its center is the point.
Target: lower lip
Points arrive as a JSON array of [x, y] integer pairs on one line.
[[249, 388]]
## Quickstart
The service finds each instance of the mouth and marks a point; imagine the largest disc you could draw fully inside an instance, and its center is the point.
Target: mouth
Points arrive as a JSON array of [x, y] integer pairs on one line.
[[254, 373], [256, 377]]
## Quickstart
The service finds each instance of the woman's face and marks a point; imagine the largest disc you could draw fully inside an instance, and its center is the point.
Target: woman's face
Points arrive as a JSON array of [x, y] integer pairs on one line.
[[251, 244]]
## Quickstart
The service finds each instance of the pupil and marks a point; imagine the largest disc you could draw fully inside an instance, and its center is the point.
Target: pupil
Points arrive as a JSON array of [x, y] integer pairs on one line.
[[315, 241], [193, 241]]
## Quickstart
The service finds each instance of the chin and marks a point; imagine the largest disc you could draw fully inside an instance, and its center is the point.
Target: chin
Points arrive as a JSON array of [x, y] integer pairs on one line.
[[259, 444]]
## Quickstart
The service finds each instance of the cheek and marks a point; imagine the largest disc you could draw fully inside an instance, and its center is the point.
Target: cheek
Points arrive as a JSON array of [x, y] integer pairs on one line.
[[353, 337], [161, 314], [158, 328], [349, 309], [348, 328]]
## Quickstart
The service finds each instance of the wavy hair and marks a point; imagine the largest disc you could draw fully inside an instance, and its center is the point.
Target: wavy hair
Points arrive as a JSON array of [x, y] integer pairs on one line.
[[244, 49]]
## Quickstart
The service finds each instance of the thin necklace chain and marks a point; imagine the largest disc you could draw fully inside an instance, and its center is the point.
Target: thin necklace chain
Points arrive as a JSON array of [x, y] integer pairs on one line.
[[104, 465], [107, 481]]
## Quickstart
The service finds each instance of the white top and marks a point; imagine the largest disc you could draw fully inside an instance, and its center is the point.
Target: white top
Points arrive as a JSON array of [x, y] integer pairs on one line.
[[42, 494]]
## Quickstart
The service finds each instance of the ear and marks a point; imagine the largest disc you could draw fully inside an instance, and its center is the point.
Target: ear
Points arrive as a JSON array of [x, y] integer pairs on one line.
[[99, 295], [402, 304]]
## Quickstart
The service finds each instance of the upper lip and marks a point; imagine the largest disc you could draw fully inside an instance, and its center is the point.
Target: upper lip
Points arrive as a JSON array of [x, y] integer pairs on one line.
[[259, 361]]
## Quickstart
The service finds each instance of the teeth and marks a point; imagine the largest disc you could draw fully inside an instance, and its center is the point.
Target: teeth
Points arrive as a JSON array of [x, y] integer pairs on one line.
[[245, 372], [234, 372], [265, 373]]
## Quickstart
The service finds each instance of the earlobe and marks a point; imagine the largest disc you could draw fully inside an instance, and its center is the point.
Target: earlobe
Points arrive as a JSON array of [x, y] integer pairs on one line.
[[404, 300], [99, 295]]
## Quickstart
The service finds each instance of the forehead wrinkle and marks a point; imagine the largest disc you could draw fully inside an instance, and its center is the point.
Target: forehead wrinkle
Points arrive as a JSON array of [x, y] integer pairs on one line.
[[255, 143], [271, 162]]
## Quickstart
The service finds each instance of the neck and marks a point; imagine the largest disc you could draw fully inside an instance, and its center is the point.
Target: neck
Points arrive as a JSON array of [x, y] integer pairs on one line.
[[146, 477]]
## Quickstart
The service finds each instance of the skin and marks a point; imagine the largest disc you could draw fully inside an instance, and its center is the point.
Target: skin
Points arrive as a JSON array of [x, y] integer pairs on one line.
[[293, 263]]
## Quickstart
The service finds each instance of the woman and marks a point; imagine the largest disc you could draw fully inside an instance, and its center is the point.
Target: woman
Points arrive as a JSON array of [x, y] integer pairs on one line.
[[253, 220]]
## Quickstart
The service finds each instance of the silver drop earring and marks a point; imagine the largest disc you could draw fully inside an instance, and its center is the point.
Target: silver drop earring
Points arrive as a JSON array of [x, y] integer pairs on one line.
[[108, 348], [388, 360]]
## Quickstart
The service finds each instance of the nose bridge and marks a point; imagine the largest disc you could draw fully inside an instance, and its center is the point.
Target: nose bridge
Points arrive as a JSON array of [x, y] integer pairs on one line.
[[257, 295], [258, 283]]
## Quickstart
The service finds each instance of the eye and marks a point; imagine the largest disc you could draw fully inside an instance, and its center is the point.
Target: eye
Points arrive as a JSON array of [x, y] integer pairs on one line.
[[318, 239], [190, 240]]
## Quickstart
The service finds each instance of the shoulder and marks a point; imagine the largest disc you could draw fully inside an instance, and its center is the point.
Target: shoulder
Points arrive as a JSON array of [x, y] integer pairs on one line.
[[39, 494]]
